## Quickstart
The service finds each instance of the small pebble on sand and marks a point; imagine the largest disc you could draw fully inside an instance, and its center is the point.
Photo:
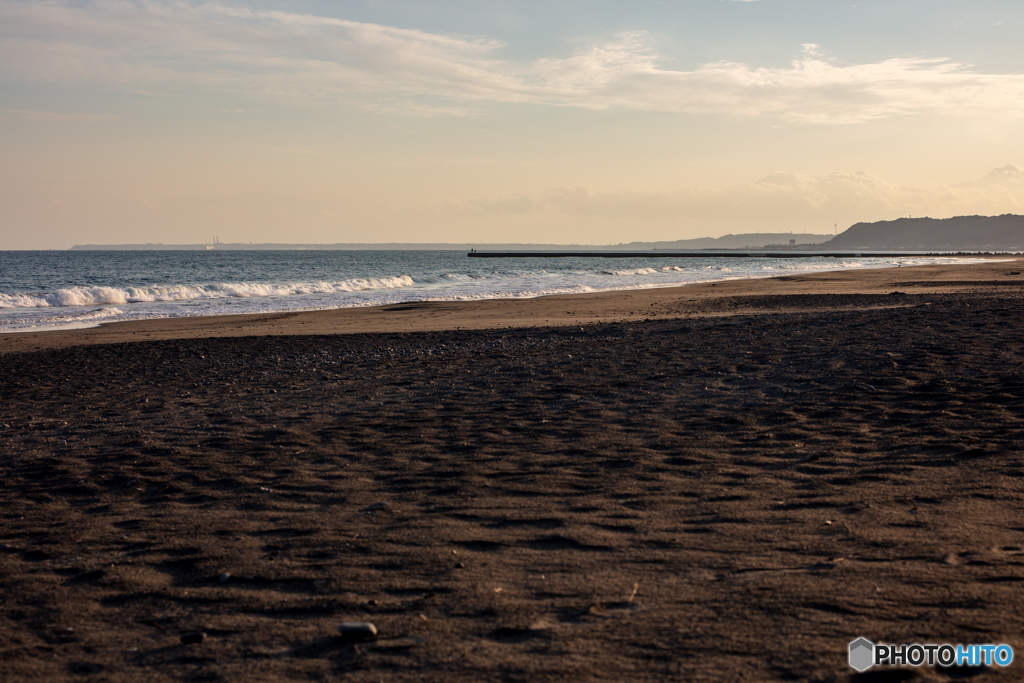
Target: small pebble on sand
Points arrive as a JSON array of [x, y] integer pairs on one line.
[[357, 630]]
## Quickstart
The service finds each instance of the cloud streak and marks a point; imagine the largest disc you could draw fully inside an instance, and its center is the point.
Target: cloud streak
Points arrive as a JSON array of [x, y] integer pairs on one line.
[[158, 44], [55, 117], [780, 197]]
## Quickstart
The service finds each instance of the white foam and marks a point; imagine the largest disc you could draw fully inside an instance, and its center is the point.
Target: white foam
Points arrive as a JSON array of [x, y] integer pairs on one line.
[[65, 317], [634, 271], [92, 296]]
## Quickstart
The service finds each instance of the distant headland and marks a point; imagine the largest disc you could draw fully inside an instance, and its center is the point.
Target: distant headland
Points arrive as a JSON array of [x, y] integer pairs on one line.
[[961, 233]]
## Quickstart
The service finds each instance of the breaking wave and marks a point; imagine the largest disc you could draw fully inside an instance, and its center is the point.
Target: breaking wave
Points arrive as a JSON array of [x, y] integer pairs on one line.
[[633, 271], [93, 296]]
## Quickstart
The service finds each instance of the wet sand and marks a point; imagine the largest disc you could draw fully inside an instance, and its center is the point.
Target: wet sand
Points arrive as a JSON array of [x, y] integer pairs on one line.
[[715, 482]]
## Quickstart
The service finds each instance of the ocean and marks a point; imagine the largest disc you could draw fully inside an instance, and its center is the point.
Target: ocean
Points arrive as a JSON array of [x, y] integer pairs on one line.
[[43, 290]]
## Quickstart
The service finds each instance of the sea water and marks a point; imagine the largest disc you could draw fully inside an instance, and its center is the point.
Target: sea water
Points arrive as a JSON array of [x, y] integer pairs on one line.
[[42, 290]]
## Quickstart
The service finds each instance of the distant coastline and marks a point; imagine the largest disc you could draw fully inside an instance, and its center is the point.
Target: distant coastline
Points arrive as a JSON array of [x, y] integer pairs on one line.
[[742, 241], [1003, 233]]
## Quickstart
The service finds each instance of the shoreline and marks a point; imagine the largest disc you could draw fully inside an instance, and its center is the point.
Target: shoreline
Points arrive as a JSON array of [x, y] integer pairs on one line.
[[549, 310]]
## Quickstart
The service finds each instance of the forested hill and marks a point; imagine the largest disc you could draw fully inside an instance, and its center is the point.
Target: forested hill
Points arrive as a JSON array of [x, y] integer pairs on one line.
[[962, 233]]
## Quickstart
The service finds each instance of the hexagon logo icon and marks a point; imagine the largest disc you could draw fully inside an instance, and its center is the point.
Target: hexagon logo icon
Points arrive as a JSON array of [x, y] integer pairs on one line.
[[862, 654]]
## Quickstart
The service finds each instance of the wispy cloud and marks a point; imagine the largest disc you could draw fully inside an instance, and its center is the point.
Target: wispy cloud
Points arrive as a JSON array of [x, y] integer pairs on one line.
[[785, 195], [54, 117], [160, 44]]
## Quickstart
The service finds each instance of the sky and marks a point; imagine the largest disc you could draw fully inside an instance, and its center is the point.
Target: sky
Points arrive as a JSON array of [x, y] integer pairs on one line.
[[590, 122]]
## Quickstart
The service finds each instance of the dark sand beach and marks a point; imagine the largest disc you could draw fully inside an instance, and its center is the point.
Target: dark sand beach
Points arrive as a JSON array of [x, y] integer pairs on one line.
[[709, 483]]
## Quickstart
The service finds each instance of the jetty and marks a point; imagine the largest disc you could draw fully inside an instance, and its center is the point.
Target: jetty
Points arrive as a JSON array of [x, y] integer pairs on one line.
[[716, 254]]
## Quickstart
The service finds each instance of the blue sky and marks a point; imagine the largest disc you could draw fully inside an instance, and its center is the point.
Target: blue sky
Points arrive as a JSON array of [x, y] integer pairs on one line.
[[142, 121], [764, 32]]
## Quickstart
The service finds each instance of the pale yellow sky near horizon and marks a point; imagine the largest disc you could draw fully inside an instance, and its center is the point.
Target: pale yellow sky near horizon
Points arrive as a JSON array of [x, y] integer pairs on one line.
[[296, 122]]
